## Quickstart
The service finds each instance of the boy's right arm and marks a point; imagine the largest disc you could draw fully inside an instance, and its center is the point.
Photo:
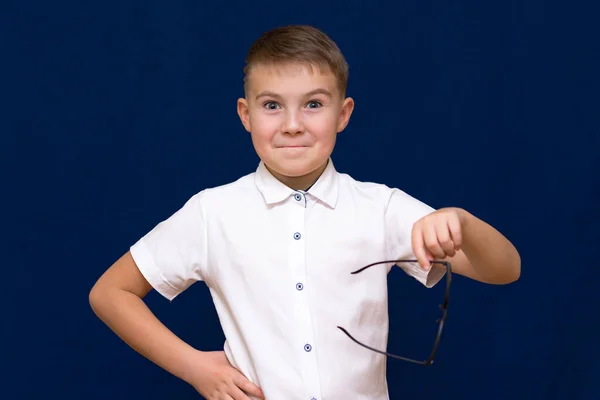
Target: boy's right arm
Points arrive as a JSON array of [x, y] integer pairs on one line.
[[117, 299]]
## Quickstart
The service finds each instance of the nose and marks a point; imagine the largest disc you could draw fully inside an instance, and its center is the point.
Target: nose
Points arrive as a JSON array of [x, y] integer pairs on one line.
[[293, 123]]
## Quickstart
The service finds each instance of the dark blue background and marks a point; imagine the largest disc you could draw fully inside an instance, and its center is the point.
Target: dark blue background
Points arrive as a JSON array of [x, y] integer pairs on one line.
[[114, 113]]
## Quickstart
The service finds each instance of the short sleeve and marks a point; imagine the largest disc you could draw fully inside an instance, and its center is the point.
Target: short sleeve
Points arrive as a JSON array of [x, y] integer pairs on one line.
[[401, 213], [173, 255]]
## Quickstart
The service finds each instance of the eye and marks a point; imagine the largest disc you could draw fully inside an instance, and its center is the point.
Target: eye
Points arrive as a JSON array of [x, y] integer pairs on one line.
[[314, 104], [271, 105]]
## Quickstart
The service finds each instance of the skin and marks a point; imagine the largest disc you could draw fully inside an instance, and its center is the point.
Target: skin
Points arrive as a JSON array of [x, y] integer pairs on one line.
[[293, 114]]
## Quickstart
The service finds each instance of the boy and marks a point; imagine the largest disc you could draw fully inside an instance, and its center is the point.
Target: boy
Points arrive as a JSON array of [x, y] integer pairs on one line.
[[277, 246]]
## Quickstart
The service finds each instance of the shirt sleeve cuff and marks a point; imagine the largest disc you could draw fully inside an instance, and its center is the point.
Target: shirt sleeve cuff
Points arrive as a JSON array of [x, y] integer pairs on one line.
[[428, 278], [434, 275], [150, 271]]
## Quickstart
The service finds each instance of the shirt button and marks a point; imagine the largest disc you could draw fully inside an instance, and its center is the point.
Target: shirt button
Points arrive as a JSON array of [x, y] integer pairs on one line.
[[297, 197], [297, 236], [299, 286], [307, 347]]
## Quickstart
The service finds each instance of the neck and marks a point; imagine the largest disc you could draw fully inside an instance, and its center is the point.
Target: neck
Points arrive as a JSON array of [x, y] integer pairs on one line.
[[303, 182]]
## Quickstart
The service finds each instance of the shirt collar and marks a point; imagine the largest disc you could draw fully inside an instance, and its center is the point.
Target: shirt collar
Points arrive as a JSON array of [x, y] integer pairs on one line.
[[325, 189]]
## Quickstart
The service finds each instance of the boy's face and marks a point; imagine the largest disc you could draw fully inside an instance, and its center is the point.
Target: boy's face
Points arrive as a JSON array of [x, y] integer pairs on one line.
[[294, 114]]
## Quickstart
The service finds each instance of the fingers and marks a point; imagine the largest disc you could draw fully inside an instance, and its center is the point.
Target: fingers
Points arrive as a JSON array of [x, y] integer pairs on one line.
[[436, 237], [423, 256], [455, 232], [444, 240], [236, 393], [430, 236], [244, 384]]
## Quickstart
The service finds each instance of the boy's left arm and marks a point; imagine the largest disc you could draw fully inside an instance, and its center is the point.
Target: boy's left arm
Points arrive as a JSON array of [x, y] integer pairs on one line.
[[475, 249]]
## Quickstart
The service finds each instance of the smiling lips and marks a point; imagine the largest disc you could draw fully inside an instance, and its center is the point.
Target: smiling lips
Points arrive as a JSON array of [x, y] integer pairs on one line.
[[294, 147]]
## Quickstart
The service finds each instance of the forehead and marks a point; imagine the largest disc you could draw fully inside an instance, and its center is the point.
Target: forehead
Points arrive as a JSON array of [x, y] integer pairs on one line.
[[290, 78]]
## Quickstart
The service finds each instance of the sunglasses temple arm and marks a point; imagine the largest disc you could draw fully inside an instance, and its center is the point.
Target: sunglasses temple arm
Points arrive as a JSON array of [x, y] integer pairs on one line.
[[429, 361], [383, 352]]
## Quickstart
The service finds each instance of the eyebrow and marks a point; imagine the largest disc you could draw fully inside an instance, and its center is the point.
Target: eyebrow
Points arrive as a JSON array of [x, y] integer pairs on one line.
[[267, 93]]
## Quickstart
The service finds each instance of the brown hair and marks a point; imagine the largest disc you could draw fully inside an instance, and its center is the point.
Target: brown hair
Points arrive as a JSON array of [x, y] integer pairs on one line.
[[301, 44]]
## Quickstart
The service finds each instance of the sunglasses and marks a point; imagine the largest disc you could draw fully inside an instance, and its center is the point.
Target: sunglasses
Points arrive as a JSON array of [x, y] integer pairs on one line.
[[441, 321]]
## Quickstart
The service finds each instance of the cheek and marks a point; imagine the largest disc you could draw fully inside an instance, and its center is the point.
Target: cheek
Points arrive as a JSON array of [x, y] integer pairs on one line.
[[263, 127], [323, 126]]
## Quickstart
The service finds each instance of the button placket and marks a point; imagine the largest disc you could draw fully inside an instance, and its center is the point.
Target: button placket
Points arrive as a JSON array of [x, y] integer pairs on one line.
[[300, 197], [302, 311]]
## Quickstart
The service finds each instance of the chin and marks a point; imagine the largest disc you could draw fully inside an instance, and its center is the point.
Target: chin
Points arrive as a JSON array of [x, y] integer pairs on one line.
[[293, 172], [295, 168]]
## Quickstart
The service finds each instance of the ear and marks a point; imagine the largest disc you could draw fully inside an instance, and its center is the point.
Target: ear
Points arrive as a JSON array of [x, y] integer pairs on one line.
[[244, 114], [345, 113]]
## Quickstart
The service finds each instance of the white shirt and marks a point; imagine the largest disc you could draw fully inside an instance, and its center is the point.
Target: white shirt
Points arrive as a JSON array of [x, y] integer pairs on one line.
[[278, 262]]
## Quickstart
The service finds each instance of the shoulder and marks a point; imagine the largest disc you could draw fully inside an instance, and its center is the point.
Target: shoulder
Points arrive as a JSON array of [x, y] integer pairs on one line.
[[373, 191], [391, 200], [236, 191]]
